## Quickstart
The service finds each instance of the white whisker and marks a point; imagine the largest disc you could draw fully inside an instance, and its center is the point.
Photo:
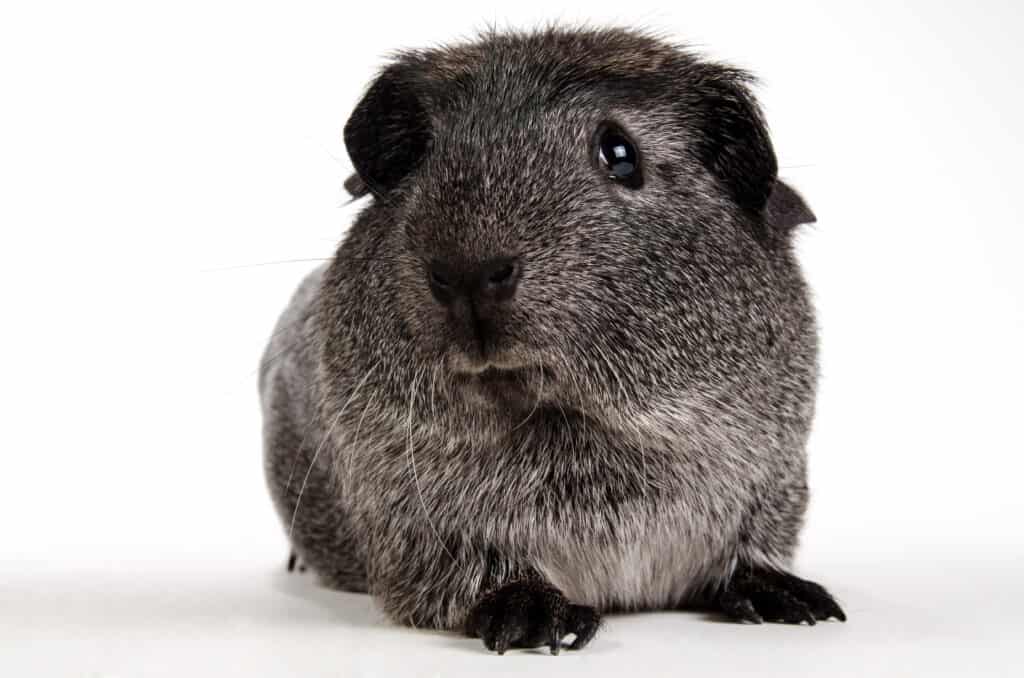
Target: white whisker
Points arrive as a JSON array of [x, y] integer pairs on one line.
[[433, 385], [540, 393], [323, 443], [643, 459], [412, 465], [263, 263], [317, 410]]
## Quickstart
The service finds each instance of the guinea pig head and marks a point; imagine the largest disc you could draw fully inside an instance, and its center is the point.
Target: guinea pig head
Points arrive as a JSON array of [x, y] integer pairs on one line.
[[597, 209]]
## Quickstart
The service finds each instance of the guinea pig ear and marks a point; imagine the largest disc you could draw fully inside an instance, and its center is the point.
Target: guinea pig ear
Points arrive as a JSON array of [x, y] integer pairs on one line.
[[388, 132], [786, 209], [356, 187], [736, 147]]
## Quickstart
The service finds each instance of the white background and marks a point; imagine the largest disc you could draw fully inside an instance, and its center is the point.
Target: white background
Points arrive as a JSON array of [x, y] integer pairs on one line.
[[155, 158]]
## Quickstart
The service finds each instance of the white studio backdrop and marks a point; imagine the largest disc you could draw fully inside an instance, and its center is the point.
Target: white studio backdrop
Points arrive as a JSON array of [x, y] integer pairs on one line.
[[170, 171]]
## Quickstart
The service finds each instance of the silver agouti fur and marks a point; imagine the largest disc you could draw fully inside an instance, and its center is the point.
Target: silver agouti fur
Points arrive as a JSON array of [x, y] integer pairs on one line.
[[623, 426]]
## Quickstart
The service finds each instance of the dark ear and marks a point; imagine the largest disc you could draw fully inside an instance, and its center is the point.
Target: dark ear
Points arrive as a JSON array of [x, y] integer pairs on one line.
[[356, 187], [786, 209], [735, 146], [388, 132]]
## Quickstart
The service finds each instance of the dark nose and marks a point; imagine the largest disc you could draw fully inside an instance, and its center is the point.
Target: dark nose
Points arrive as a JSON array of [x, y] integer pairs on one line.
[[494, 280]]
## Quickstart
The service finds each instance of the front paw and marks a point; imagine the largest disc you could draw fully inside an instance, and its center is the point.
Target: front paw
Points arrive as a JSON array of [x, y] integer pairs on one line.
[[530, 614], [759, 594]]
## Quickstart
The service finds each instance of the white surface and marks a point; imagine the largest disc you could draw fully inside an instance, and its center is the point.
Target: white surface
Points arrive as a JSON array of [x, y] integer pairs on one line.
[[936, 616], [146, 150]]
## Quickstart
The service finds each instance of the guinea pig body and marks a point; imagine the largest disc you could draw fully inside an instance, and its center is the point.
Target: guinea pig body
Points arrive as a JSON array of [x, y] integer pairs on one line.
[[564, 362]]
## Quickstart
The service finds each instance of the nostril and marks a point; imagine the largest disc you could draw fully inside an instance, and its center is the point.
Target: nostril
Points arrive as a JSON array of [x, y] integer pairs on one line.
[[499, 279], [441, 282], [502, 274], [439, 279]]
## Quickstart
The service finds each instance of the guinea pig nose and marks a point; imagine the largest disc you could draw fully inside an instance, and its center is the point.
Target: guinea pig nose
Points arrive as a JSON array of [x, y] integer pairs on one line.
[[499, 277], [491, 281]]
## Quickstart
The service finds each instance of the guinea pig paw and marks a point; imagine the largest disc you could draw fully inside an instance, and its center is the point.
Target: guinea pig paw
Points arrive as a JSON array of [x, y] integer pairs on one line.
[[756, 595], [530, 614]]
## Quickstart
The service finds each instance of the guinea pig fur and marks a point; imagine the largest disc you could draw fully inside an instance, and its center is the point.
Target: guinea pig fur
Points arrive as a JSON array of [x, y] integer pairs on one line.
[[564, 361]]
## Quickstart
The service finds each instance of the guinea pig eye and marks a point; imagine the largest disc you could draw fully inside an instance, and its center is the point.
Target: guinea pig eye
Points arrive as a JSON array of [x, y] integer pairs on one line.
[[617, 155]]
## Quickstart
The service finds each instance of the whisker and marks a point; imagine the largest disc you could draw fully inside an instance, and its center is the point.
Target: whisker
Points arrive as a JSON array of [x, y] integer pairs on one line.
[[269, 360], [323, 443], [376, 191], [359, 426], [536, 404], [568, 430], [312, 463], [412, 464], [643, 459], [314, 422], [298, 321], [433, 386], [342, 472], [263, 263]]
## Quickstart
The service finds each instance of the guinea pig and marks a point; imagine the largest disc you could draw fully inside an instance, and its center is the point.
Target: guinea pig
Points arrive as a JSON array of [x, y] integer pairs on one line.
[[563, 363]]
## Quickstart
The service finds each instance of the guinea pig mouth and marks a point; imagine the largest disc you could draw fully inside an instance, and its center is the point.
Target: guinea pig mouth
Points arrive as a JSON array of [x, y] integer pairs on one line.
[[494, 367], [506, 382], [492, 374]]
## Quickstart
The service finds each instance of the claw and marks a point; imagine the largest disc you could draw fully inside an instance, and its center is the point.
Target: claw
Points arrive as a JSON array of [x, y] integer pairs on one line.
[[585, 621], [739, 608], [530, 614], [835, 611], [756, 595], [555, 642]]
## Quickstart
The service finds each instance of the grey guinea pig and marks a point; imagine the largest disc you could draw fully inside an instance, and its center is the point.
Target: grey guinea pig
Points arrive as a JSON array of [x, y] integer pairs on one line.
[[564, 361]]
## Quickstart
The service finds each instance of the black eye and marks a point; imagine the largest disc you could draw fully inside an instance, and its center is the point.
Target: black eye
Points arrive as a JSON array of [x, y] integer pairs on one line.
[[618, 156]]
